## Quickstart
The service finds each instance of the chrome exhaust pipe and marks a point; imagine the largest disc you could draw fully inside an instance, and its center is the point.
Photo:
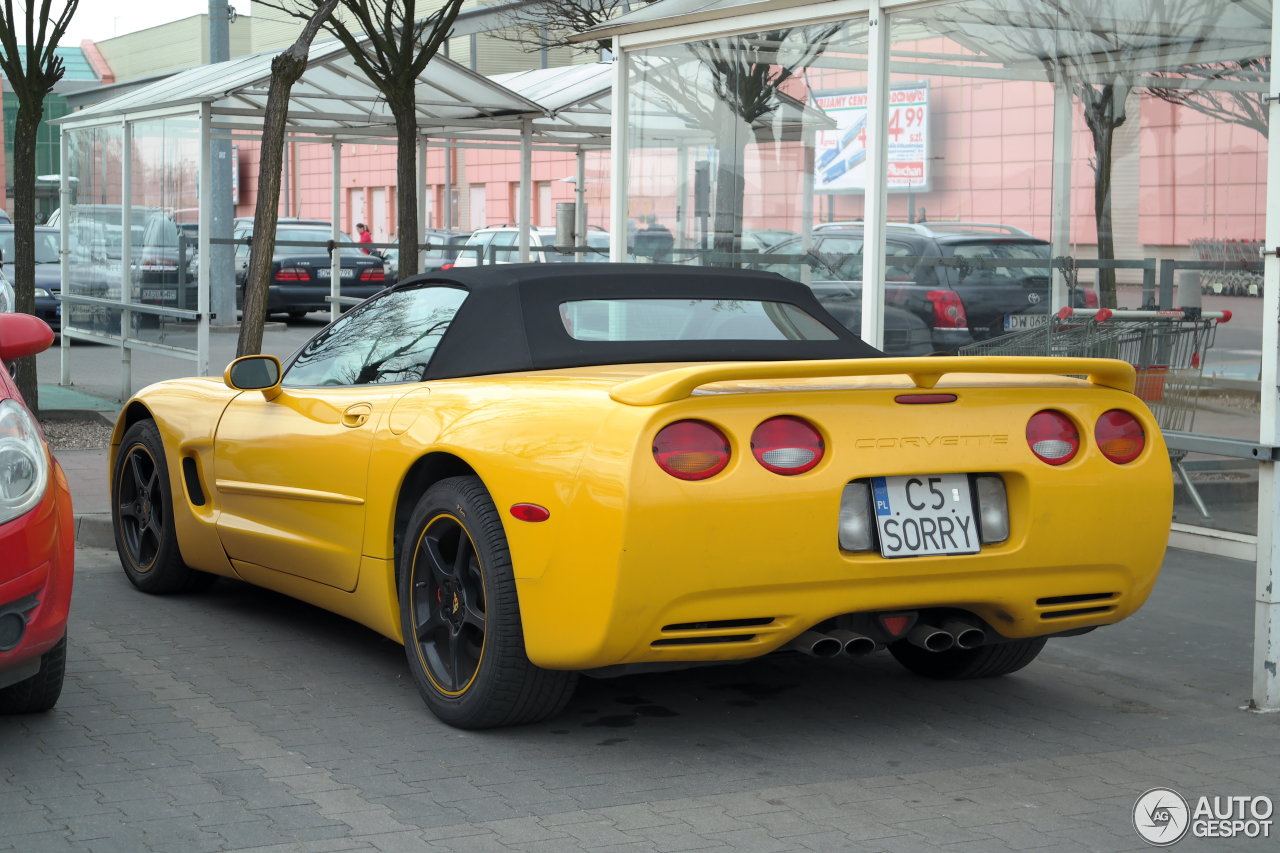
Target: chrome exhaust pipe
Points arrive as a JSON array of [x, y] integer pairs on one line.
[[930, 639], [967, 636], [853, 643], [816, 645]]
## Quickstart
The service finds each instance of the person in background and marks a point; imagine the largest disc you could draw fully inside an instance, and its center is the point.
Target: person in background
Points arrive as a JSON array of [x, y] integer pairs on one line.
[[365, 236]]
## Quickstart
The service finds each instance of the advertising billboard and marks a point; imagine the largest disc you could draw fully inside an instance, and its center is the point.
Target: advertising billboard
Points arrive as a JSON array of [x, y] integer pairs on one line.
[[841, 152]]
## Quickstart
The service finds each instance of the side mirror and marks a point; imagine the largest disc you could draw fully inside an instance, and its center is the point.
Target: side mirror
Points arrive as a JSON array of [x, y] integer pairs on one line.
[[255, 373], [22, 335]]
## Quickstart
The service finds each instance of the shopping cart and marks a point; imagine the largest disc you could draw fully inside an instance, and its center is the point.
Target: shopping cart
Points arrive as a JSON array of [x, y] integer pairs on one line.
[[1166, 348]]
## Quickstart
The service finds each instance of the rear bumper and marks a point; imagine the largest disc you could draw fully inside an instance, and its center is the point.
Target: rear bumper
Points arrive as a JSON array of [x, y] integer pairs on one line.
[[36, 579], [283, 298]]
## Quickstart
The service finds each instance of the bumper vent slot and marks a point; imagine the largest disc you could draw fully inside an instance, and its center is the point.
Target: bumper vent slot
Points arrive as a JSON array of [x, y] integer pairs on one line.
[[721, 625], [1079, 611], [709, 640], [1074, 599]]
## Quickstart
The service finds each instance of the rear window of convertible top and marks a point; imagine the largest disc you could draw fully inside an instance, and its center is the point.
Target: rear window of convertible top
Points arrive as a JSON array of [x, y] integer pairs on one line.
[[689, 320]]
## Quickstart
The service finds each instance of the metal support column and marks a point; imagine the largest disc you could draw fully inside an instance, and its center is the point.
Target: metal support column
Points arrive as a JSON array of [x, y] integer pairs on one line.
[[421, 179], [877, 199], [524, 215], [1266, 633], [204, 247], [1060, 235], [64, 251], [126, 253], [619, 173], [335, 211]]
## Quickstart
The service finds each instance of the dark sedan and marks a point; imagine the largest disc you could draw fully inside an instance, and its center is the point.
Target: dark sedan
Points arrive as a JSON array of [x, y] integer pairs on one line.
[[300, 274], [48, 271]]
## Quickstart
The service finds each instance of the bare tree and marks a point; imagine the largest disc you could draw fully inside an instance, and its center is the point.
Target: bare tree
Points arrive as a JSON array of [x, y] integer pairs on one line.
[[392, 46], [286, 69], [32, 69], [1231, 91], [549, 23]]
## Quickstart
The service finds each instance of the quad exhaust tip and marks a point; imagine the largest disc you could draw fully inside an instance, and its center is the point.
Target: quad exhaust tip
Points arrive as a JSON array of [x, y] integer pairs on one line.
[[930, 638], [817, 645]]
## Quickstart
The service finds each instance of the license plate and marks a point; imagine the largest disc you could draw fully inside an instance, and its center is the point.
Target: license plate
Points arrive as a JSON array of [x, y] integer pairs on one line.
[[160, 294], [925, 515], [325, 272], [1018, 322]]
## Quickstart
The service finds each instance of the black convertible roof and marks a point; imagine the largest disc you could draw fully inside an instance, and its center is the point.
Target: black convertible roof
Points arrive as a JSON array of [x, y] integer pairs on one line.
[[511, 321]]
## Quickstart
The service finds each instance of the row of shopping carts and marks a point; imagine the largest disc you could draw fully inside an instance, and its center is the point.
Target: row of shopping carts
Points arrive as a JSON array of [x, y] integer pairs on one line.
[[1232, 278], [1166, 348]]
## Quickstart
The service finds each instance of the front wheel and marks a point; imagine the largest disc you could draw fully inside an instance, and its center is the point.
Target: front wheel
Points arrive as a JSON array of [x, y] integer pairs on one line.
[[460, 617], [982, 662], [40, 692], [142, 516]]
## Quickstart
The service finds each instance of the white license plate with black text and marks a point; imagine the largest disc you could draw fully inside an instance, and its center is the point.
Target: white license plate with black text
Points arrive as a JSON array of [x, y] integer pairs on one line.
[[324, 272], [1019, 322], [925, 515]]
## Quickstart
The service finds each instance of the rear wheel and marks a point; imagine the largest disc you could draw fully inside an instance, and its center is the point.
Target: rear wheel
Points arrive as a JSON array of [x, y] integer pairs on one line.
[[460, 617], [40, 692], [297, 315], [142, 516], [982, 662]]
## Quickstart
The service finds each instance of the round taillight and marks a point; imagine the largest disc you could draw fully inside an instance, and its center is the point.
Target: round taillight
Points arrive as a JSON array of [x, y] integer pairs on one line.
[[1120, 436], [1053, 437], [787, 445], [691, 450]]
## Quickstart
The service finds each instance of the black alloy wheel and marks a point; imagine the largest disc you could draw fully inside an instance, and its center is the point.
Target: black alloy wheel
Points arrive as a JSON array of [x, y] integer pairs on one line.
[[461, 621], [142, 515]]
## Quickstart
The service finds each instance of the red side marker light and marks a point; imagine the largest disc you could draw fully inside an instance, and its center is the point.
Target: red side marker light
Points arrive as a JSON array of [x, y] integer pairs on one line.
[[530, 512]]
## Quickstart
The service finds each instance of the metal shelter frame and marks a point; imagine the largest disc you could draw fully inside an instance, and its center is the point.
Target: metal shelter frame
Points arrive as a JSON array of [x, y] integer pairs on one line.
[[333, 103], [1145, 50]]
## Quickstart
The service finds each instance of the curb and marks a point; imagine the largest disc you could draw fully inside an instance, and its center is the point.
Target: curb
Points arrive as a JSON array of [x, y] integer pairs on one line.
[[93, 530]]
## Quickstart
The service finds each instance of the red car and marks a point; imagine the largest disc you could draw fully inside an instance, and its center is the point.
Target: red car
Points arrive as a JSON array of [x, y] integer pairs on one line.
[[37, 539]]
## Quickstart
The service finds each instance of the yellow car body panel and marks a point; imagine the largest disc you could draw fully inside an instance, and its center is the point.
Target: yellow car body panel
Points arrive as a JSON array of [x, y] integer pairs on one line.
[[636, 566]]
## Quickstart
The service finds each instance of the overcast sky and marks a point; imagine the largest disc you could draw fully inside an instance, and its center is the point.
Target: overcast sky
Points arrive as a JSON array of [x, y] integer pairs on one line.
[[103, 19]]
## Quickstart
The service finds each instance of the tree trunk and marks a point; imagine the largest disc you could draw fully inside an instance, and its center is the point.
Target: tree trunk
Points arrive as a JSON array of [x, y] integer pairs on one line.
[[1103, 141], [24, 236], [286, 68], [408, 227], [285, 71], [731, 187]]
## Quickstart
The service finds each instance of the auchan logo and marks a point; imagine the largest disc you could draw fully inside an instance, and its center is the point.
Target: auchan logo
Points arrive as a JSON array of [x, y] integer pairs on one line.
[[892, 442]]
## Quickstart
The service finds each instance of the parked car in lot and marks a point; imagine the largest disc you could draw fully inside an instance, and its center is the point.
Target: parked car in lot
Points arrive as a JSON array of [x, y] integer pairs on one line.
[[904, 332], [529, 471], [163, 271], [963, 279], [8, 299], [300, 274], [445, 248], [37, 539], [92, 280], [499, 244]]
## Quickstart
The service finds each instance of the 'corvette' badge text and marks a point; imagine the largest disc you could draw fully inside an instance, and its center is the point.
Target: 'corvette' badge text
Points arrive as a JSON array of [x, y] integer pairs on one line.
[[890, 442]]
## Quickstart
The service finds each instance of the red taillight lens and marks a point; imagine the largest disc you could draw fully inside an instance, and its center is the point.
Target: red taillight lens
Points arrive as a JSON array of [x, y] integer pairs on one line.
[[1053, 437], [948, 310], [691, 450], [372, 274], [293, 274], [787, 445], [1120, 436], [446, 266]]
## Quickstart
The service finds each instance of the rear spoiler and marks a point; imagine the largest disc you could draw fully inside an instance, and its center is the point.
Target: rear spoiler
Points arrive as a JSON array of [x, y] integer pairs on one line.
[[678, 383]]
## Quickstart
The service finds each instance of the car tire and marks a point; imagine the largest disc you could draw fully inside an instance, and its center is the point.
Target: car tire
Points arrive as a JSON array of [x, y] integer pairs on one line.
[[297, 315], [461, 619], [142, 516], [40, 692], [954, 664]]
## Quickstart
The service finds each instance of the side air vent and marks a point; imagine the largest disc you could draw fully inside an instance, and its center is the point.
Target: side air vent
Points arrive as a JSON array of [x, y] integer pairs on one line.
[[191, 473]]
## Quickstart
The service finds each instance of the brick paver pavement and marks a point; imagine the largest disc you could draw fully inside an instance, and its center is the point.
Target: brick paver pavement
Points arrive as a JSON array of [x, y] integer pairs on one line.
[[238, 719]]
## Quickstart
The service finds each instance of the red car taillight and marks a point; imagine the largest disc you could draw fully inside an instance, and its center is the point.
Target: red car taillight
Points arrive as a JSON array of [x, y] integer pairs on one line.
[[446, 266], [372, 274], [293, 274], [691, 450], [1053, 437], [1120, 436], [787, 445], [948, 310]]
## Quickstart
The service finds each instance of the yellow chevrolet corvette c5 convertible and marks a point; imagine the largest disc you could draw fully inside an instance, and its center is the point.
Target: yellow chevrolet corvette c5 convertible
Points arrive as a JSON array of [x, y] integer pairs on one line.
[[528, 472]]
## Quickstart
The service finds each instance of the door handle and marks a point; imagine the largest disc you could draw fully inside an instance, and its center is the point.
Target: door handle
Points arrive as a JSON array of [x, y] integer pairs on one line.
[[356, 415]]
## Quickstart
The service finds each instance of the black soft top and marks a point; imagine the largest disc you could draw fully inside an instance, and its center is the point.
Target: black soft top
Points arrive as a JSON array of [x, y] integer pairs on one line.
[[511, 320]]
